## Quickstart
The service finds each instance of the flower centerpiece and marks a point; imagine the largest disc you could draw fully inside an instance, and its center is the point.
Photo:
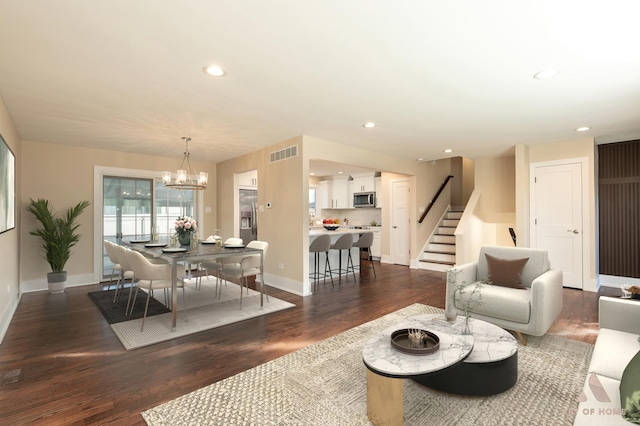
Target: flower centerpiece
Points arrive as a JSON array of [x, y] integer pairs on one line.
[[185, 228]]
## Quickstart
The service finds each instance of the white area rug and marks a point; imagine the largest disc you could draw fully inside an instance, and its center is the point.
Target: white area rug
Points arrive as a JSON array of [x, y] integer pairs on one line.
[[204, 312], [325, 384]]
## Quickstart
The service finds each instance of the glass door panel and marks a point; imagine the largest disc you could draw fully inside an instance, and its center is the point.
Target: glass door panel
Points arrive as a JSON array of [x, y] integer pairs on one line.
[[127, 212], [169, 205]]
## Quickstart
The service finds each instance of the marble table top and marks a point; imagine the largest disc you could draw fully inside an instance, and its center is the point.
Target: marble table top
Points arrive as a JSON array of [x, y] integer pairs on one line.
[[380, 356], [488, 343]]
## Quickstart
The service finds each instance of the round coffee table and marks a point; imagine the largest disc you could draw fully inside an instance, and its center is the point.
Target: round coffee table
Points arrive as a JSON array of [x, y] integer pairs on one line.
[[386, 366], [490, 368], [483, 363]]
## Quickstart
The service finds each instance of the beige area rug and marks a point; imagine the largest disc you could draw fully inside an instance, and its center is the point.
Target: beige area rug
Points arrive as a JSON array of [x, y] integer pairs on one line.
[[204, 312], [325, 384]]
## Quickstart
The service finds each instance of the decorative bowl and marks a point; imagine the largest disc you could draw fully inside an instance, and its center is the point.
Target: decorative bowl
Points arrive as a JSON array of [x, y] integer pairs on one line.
[[429, 342], [331, 227]]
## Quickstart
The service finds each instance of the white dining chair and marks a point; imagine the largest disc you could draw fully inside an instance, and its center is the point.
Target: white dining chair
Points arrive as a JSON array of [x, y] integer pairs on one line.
[[216, 265], [151, 277], [111, 254], [125, 273], [248, 265]]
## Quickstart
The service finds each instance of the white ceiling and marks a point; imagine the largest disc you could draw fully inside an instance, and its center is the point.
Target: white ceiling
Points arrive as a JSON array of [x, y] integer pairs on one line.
[[127, 75]]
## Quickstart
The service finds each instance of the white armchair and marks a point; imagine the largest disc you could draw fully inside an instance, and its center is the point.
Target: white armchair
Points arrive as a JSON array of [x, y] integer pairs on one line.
[[531, 309]]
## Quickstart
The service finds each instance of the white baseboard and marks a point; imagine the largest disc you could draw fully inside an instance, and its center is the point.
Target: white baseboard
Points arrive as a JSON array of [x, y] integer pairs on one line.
[[41, 284], [291, 286], [8, 315]]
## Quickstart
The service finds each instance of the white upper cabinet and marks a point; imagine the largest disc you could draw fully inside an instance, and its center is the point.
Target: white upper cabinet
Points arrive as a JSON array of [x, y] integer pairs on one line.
[[334, 194], [363, 183], [248, 179]]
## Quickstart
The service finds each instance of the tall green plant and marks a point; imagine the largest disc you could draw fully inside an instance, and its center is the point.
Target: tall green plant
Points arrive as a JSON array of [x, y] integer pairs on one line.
[[57, 234]]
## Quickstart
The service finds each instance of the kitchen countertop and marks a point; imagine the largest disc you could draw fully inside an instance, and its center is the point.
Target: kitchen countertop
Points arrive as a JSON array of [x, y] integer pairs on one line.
[[320, 231], [314, 232]]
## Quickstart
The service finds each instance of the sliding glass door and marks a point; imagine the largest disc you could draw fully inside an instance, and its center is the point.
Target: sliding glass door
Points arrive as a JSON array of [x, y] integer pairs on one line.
[[127, 211], [133, 207]]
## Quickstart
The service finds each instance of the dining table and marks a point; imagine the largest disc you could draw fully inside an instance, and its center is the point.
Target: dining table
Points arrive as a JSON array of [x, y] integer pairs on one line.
[[190, 255]]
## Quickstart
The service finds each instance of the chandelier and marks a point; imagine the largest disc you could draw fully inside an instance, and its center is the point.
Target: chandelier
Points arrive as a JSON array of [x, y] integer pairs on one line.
[[186, 179]]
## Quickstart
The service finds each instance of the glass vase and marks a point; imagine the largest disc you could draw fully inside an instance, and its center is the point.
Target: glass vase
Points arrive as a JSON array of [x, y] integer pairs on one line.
[[185, 239], [466, 326]]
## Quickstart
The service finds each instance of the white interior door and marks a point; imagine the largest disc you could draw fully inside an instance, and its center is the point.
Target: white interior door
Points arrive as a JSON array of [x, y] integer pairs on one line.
[[400, 230], [557, 220]]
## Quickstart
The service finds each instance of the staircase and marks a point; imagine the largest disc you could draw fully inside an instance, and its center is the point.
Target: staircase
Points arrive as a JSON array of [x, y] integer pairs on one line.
[[440, 254]]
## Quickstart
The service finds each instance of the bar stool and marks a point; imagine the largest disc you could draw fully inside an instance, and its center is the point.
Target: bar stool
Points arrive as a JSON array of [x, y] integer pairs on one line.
[[345, 242], [365, 242], [322, 243]]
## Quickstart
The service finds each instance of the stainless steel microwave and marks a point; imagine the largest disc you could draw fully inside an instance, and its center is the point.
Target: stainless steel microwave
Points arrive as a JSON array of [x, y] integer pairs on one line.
[[364, 199]]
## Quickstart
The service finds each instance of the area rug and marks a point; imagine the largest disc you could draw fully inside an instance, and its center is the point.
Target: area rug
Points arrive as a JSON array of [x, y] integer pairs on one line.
[[204, 311], [325, 384], [114, 312]]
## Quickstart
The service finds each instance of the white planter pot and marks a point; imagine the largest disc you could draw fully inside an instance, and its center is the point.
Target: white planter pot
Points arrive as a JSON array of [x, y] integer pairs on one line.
[[57, 282]]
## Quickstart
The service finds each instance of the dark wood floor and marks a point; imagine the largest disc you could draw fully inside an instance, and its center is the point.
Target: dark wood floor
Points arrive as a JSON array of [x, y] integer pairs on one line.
[[60, 363]]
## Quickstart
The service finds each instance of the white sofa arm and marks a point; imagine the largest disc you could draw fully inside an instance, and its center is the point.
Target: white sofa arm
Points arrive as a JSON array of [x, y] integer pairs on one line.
[[456, 276], [546, 301], [619, 314]]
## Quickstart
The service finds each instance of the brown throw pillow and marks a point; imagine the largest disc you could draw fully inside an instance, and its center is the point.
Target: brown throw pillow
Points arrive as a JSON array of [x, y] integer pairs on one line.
[[506, 272]]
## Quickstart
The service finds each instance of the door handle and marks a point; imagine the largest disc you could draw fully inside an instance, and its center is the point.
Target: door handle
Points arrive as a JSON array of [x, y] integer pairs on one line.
[[395, 227], [575, 231]]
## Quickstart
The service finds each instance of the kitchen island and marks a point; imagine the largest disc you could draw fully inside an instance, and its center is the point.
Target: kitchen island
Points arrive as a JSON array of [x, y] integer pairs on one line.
[[334, 254]]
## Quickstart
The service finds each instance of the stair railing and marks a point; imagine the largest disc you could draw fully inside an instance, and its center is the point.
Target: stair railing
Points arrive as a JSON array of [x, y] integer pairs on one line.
[[435, 198]]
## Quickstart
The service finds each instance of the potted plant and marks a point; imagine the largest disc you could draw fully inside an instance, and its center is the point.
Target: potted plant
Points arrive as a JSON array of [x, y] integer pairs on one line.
[[58, 235]]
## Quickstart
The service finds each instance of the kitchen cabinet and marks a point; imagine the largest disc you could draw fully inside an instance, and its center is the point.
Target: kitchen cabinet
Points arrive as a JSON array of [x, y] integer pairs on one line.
[[334, 194], [248, 179], [363, 183]]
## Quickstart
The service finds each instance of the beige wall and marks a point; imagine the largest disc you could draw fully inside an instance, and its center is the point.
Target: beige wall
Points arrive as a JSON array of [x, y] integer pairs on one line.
[[281, 184], [10, 240], [495, 178], [285, 185], [64, 175]]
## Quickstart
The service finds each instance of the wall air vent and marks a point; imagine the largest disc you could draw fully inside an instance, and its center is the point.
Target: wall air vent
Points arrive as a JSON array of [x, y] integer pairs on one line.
[[284, 154]]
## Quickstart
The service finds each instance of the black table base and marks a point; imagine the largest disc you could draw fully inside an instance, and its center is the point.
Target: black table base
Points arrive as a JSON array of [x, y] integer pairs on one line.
[[474, 379]]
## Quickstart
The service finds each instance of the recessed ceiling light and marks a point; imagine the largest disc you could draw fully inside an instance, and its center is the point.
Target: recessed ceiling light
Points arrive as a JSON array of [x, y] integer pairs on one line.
[[369, 125], [214, 71], [546, 73], [448, 150], [583, 129], [340, 173], [419, 159]]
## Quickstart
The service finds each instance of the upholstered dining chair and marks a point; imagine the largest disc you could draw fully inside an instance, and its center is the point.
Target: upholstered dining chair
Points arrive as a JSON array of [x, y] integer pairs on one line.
[[152, 277], [125, 273], [215, 265], [249, 265], [111, 254]]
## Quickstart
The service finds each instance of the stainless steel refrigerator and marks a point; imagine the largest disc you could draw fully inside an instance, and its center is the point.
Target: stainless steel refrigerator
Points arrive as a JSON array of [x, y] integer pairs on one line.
[[248, 218]]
